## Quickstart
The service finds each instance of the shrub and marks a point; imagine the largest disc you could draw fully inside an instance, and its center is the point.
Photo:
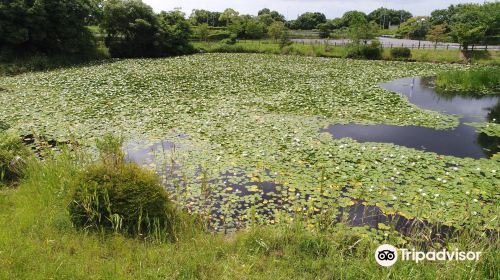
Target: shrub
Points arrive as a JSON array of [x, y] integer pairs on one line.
[[122, 198], [371, 51], [230, 41], [114, 195], [401, 53], [13, 157], [218, 35]]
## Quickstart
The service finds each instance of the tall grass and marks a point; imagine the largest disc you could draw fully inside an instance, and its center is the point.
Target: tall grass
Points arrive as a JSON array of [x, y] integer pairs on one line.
[[485, 80]]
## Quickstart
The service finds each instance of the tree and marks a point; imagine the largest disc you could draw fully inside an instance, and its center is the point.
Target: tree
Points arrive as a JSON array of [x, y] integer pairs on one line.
[[442, 16], [228, 16], [308, 21], [276, 29], [387, 17], [350, 16], [134, 30], [203, 31], [175, 32], [198, 17], [254, 29], [468, 26], [46, 26], [438, 33], [324, 30], [415, 28], [360, 29], [274, 15]]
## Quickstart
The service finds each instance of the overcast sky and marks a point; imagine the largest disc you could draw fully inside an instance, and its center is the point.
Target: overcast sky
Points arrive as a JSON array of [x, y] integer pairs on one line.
[[291, 8]]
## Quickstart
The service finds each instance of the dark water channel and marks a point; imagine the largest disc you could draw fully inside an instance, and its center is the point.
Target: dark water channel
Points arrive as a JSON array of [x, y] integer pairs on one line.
[[462, 141]]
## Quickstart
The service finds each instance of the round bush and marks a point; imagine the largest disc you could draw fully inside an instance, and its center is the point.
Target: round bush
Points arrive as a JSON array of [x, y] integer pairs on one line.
[[401, 53], [13, 157], [371, 51], [123, 198]]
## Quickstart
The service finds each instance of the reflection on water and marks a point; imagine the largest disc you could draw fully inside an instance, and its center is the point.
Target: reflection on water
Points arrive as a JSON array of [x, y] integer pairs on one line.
[[462, 141]]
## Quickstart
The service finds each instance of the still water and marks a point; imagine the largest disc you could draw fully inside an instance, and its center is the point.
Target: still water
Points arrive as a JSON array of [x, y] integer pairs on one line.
[[462, 141]]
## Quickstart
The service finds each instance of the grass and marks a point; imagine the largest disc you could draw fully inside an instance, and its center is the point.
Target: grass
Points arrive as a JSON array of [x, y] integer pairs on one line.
[[322, 50], [41, 243], [486, 80]]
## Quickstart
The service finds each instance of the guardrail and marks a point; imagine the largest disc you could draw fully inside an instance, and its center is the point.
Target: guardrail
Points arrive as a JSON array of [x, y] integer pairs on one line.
[[416, 45]]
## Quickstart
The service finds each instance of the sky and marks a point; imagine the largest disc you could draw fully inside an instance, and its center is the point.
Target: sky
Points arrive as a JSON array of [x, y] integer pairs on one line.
[[292, 8]]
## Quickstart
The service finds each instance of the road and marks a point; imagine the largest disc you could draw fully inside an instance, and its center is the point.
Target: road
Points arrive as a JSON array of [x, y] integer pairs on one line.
[[392, 42]]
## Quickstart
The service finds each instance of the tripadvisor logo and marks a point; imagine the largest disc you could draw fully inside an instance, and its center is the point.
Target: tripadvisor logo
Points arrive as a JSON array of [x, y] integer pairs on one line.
[[387, 255]]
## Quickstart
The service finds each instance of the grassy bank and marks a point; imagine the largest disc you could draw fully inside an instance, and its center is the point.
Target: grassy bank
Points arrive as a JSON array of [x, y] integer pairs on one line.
[[322, 50], [40, 242], [486, 80]]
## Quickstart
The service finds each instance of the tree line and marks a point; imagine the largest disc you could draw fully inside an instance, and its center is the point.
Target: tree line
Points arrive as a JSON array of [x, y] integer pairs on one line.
[[132, 29]]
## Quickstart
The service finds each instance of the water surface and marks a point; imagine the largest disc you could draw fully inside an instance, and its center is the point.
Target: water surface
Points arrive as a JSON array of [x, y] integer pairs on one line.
[[462, 141]]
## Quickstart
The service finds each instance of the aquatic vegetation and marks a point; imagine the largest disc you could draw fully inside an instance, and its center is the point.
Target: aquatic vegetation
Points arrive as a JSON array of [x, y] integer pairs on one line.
[[247, 128], [483, 80]]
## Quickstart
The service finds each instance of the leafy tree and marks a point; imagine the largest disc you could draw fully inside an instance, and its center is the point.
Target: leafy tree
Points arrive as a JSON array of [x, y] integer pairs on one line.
[[134, 30], [276, 30], [415, 28], [441, 16], [324, 30], [46, 26], [254, 29], [198, 17], [203, 31], [352, 16], [438, 33], [468, 25], [236, 28], [274, 15], [360, 29], [228, 16], [309, 21], [175, 32], [387, 17]]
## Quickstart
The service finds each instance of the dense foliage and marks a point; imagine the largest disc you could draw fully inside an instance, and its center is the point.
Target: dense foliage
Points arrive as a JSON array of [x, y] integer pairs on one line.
[[308, 21], [400, 53], [389, 17], [134, 30], [46, 26]]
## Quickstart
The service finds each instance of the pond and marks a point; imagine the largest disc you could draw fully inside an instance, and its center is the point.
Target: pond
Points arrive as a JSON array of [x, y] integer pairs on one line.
[[233, 196], [462, 141]]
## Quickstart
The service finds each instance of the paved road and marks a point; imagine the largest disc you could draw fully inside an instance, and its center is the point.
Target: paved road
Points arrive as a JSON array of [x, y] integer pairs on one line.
[[392, 42]]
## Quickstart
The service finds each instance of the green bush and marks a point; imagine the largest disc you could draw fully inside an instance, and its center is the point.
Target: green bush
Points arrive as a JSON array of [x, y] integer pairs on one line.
[[401, 53], [357, 51], [230, 41], [122, 198], [218, 35], [13, 157], [114, 195]]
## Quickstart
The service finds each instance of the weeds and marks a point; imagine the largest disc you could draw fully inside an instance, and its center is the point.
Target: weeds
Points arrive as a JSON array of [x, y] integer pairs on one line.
[[486, 80]]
